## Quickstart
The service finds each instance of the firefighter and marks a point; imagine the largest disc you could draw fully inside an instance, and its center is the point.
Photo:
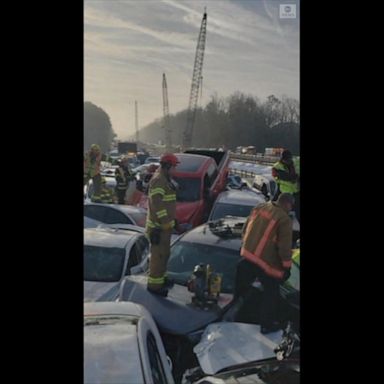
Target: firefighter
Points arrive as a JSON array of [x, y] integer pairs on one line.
[[105, 196], [92, 168], [266, 252], [161, 221], [123, 176], [287, 178]]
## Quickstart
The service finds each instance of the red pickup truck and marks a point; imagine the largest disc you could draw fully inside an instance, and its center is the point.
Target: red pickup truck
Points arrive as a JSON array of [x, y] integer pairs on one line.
[[201, 176]]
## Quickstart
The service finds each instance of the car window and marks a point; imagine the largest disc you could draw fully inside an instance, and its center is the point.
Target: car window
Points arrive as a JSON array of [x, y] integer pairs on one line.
[[221, 210], [137, 253], [188, 190], [113, 216], [102, 263], [157, 369], [95, 212], [185, 256], [212, 174]]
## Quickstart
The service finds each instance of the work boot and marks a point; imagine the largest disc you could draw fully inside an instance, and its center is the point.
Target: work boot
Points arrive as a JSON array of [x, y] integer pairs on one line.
[[168, 282], [160, 291], [269, 328]]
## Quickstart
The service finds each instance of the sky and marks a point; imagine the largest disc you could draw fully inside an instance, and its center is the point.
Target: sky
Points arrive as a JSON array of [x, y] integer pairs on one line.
[[129, 44]]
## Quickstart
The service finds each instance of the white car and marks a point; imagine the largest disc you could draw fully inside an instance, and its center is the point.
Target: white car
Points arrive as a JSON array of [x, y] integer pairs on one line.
[[122, 345], [235, 203], [152, 159], [266, 184], [110, 254]]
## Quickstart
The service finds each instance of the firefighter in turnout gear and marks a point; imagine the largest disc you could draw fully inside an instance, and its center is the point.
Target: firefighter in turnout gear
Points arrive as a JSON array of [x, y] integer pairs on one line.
[[92, 168], [123, 176], [267, 255], [287, 178], [161, 221], [105, 196]]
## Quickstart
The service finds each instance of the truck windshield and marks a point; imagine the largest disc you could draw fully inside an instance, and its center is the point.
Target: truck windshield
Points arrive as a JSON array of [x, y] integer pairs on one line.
[[189, 189]]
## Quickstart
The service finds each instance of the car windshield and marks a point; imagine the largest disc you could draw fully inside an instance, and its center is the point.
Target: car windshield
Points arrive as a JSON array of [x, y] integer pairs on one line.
[[189, 189], [103, 264], [222, 210], [185, 256]]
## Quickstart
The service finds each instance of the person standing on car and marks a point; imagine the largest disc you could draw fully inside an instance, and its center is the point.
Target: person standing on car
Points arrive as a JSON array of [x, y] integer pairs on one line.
[[287, 179], [92, 163], [267, 254], [161, 221], [123, 176]]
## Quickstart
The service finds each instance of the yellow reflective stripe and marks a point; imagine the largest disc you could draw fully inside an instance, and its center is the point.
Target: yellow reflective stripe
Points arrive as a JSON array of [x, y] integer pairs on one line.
[[169, 197], [155, 191], [161, 213], [156, 280]]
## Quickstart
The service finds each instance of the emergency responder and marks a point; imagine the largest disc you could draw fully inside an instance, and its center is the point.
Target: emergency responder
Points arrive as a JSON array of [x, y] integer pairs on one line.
[[92, 168], [266, 252], [123, 176], [161, 221], [287, 179], [106, 195]]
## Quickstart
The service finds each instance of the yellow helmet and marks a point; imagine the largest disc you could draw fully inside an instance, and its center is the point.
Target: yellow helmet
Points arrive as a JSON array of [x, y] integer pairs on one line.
[[95, 147]]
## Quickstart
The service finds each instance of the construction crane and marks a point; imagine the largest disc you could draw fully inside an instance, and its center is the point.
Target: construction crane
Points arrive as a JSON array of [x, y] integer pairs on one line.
[[196, 80], [166, 123], [136, 123]]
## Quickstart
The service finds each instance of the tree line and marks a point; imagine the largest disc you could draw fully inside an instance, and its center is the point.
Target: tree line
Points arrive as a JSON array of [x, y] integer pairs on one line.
[[238, 120]]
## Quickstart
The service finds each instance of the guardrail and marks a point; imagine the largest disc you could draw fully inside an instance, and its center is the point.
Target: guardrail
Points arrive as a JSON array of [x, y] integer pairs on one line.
[[258, 158]]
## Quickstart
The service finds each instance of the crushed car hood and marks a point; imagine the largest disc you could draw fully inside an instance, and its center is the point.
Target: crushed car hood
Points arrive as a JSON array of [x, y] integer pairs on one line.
[[226, 344], [174, 314], [100, 291]]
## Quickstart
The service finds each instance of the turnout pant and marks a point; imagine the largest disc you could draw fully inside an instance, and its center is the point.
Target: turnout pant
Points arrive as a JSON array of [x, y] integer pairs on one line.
[[96, 183], [245, 275], [159, 259], [120, 193]]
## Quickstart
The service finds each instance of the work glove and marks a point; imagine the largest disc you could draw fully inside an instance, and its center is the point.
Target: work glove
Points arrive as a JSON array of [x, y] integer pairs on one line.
[[167, 226], [154, 236], [287, 274]]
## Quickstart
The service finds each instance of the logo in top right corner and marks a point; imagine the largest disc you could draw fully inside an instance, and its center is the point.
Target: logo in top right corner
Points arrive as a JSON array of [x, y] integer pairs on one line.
[[287, 11]]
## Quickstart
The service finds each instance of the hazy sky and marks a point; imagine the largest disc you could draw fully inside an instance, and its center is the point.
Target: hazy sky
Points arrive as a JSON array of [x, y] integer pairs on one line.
[[129, 44]]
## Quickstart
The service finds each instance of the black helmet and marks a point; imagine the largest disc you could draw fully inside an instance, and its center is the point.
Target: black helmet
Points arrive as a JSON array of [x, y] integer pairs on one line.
[[286, 155]]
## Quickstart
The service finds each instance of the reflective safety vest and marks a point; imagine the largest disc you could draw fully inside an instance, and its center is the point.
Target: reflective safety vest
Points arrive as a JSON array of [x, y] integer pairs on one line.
[[283, 178], [105, 197], [161, 202], [92, 166], [267, 239], [296, 256]]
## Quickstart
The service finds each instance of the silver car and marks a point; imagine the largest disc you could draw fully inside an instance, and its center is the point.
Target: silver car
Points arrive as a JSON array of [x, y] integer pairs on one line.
[[235, 203], [122, 345], [95, 214], [109, 255]]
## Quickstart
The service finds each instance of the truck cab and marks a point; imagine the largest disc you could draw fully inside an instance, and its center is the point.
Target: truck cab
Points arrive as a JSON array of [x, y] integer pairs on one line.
[[201, 175]]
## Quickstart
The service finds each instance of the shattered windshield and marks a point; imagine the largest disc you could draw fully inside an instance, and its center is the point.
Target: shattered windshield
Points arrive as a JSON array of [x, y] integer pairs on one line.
[[185, 256], [103, 264]]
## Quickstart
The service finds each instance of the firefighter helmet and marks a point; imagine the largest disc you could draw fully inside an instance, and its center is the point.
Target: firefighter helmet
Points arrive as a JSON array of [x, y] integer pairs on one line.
[[169, 158], [95, 147]]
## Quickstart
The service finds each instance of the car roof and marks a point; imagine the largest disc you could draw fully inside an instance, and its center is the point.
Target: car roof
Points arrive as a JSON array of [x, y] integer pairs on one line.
[[203, 234], [111, 350], [127, 209], [108, 237], [114, 308], [240, 197]]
